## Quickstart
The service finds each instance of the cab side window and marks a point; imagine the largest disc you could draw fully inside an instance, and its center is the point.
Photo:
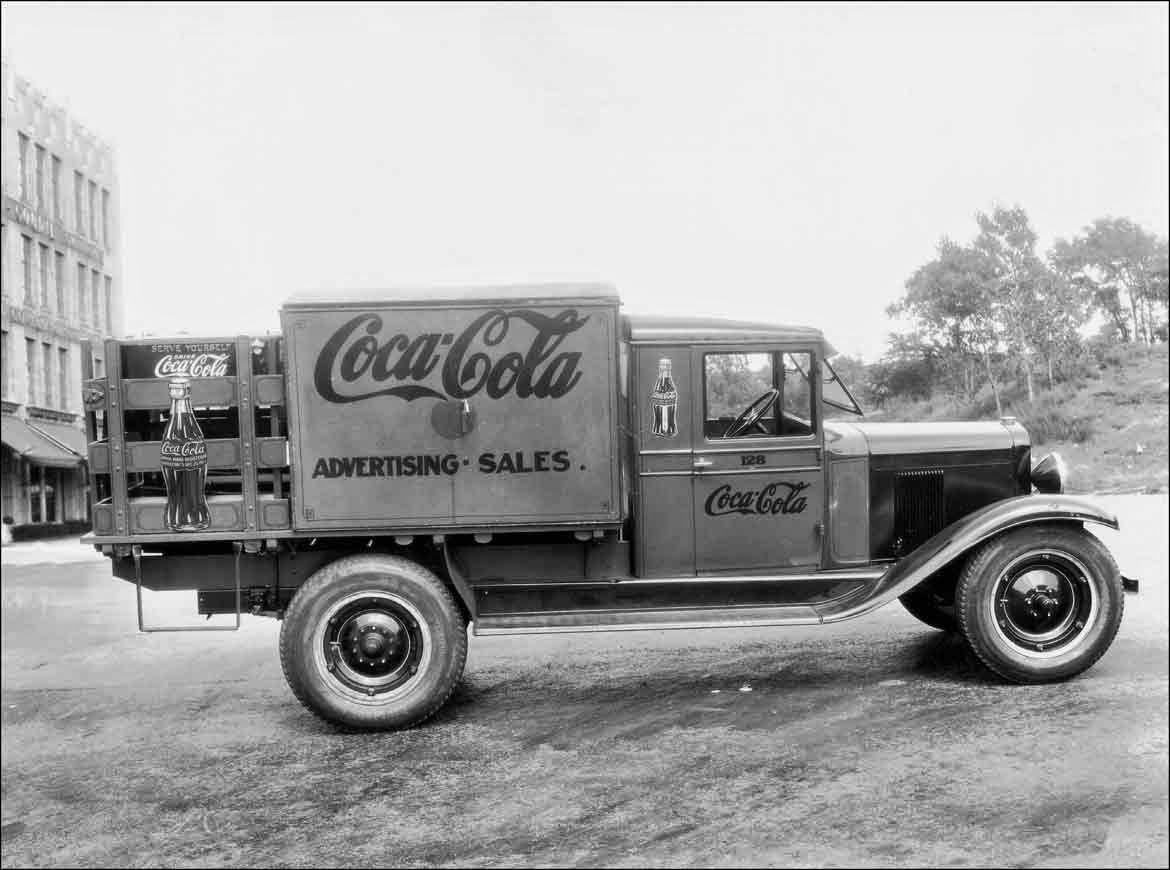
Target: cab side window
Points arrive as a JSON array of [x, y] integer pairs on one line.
[[797, 396], [756, 395], [736, 383]]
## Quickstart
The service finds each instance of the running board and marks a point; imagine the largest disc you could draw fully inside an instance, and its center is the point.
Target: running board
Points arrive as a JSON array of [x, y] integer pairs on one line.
[[644, 620]]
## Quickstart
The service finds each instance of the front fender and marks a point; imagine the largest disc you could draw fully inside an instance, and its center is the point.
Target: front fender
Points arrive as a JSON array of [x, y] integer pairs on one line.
[[957, 539]]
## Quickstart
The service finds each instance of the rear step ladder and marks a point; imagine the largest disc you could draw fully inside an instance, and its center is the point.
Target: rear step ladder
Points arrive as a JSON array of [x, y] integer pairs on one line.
[[136, 552]]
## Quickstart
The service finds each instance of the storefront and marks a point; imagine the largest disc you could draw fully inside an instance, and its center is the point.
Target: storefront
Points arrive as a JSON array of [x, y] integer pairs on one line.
[[43, 474]]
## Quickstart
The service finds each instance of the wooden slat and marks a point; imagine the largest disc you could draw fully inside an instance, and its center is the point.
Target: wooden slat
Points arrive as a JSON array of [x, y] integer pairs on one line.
[[103, 518], [152, 393], [268, 389], [244, 391], [272, 453], [143, 456], [273, 364], [148, 514], [274, 513], [116, 435]]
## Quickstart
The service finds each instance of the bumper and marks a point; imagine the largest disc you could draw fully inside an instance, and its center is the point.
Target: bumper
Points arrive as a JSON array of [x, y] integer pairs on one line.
[[1129, 584]]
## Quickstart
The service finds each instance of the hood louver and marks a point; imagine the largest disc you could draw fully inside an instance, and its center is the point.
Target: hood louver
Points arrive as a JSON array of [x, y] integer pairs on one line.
[[919, 508]]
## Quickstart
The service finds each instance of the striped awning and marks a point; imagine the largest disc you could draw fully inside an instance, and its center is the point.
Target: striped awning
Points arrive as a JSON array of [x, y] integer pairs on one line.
[[35, 446]]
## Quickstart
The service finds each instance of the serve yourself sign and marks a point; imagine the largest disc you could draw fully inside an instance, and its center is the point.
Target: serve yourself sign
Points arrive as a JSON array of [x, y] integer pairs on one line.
[[196, 359]]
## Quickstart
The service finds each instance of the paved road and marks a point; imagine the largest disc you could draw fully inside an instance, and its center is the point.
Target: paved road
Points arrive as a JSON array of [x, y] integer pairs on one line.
[[877, 742]]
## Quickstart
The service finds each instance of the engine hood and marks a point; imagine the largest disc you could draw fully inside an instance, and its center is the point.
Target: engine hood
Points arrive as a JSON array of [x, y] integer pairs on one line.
[[883, 439]]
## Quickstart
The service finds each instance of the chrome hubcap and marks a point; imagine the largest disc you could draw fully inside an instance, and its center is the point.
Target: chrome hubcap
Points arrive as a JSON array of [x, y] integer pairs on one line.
[[1043, 602]]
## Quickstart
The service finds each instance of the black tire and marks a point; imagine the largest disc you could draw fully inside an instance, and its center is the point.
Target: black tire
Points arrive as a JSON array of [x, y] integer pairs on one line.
[[927, 604], [393, 652], [1040, 604]]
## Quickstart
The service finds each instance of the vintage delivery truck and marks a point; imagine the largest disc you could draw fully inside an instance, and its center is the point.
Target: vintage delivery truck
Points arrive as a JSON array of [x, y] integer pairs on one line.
[[396, 467]]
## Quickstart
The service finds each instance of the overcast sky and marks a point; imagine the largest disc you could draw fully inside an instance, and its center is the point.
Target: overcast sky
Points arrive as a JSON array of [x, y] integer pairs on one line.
[[787, 163]]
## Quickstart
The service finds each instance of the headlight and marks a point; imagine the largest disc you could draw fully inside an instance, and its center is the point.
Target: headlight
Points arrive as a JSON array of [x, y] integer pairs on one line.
[[1050, 474]]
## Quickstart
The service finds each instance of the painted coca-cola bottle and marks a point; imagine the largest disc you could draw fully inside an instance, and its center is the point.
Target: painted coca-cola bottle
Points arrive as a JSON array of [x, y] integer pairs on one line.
[[664, 403], [183, 457]]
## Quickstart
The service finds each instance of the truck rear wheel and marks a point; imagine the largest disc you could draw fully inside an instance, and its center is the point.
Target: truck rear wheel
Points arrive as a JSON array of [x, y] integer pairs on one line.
[[1041, 603], [373, 642]]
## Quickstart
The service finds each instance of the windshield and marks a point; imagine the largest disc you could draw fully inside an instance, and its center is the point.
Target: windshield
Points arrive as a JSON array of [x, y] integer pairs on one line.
[[833, 391]]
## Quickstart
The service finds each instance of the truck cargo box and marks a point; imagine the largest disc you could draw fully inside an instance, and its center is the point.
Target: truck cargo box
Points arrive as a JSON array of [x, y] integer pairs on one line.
[[453, 408]]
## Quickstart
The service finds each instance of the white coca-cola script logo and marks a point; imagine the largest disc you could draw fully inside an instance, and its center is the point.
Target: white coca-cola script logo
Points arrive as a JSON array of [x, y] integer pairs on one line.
[[193, 365]]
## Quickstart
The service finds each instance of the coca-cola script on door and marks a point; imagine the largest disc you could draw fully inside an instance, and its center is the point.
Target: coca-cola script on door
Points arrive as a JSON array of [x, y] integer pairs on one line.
[[365, 357], [781, 497]]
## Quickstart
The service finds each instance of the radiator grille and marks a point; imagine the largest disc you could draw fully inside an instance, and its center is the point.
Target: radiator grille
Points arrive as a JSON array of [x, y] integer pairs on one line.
[[919, 508]]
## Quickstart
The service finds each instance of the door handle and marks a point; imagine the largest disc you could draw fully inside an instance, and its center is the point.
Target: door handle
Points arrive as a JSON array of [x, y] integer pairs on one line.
[[703, 463]]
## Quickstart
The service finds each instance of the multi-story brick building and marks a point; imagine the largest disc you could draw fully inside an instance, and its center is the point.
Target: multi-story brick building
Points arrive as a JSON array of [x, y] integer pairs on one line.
[[61, 285]]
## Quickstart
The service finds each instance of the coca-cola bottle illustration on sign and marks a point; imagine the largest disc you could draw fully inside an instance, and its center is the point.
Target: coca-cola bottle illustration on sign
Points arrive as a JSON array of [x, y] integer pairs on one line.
[[183, 456], [664, 403]]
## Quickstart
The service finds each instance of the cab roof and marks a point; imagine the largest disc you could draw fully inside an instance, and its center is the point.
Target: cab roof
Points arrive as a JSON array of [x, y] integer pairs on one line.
[[666, 329], [503, 294]]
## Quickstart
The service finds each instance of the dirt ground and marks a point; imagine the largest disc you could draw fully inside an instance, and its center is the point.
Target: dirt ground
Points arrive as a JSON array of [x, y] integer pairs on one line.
[[877, 742]]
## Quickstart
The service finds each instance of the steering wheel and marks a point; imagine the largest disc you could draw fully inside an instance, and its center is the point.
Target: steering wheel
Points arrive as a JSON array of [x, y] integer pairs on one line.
[[750, 416]]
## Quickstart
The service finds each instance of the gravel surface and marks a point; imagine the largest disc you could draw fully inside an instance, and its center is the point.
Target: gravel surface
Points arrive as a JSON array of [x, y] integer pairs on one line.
[[876, 742]]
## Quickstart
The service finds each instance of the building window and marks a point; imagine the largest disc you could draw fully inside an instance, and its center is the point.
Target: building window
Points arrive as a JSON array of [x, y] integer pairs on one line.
[[45, 266], [42, 190], [59, 276], [47, 374], [26, 269], [57, 204], [79, 201], [96, 289], [93, 210], [5, 355], [109, 304], [99, 369], [24, 168], [106, 218], [81, 293], [37, 479], [63, 374], [30, 368]]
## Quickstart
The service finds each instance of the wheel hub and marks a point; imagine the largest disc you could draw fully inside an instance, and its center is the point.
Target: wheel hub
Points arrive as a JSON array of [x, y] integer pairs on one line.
[[1042, 602], [373, 645]]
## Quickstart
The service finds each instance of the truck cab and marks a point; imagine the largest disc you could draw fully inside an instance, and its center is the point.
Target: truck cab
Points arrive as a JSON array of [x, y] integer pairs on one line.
[[740, 486], [395, 471]]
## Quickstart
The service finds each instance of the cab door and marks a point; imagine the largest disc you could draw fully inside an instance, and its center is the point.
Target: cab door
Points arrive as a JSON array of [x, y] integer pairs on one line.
[[757, 460], [663, 405]]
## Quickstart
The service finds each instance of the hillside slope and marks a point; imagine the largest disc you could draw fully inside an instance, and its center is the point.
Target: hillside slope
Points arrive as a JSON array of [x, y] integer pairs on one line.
[[1110, 424]]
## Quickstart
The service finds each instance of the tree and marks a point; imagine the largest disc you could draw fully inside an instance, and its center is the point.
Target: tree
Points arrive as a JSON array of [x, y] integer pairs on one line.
[[952, 298], [911, 367], [1117, 264]]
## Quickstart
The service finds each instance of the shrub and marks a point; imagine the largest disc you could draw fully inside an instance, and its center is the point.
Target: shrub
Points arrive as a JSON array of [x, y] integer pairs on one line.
[[34, 531], [1047, 421]]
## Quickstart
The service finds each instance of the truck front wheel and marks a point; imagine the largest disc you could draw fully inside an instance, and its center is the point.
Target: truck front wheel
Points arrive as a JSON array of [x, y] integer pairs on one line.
[[373, 642], [1041, 603]]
